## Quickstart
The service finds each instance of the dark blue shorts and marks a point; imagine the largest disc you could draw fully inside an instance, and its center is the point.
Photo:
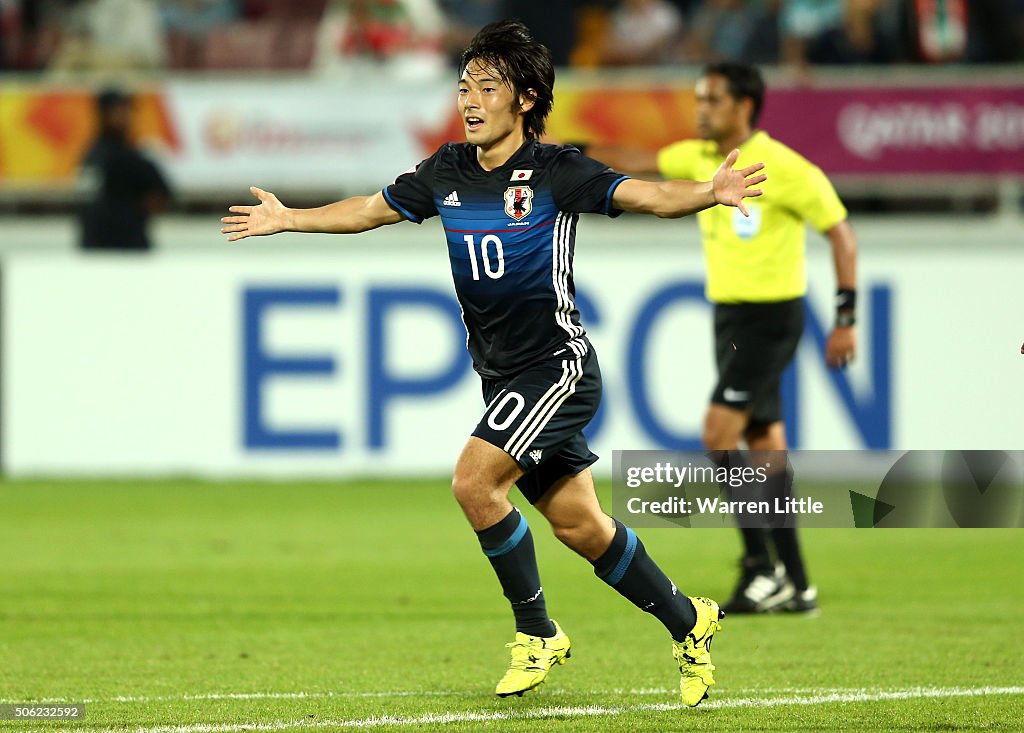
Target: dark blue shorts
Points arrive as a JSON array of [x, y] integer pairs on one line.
[[538, 416]]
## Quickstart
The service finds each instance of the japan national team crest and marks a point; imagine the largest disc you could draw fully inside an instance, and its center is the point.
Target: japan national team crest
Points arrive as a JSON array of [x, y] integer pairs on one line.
[[518, 201]]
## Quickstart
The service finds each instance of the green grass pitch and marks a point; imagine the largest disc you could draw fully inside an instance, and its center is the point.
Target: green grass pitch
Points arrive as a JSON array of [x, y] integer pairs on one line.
[[193, 607]]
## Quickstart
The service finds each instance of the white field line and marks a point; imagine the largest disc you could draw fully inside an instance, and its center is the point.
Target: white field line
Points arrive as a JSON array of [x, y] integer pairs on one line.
[[341, 695], [393, 721]]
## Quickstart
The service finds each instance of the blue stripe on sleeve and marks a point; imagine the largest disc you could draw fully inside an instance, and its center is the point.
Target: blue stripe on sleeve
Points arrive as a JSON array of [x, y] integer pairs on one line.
[[401, 210], [611, 192]]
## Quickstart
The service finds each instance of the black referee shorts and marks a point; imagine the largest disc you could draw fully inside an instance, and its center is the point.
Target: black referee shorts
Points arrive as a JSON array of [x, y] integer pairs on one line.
[[538, 416], [754, 343]]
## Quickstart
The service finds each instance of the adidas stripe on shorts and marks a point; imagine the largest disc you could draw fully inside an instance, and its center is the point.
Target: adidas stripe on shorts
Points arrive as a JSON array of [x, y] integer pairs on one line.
[[538, 416]]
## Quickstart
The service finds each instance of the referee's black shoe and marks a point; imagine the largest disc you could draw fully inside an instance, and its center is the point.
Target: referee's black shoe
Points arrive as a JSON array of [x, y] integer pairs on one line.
[[803, 601], [761, 589]]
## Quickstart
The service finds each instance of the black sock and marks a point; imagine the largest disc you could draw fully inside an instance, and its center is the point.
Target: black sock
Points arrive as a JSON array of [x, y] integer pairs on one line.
[[756, 556], [783, 534], [509, 546], [788, 547], [755, 549], [627, 568]]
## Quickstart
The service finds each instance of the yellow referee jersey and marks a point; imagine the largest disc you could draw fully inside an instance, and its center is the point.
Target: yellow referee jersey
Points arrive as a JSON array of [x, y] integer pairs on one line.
[[763, 258]]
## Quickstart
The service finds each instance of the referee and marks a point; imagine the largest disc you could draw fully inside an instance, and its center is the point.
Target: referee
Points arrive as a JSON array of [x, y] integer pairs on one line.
[[756, 278]]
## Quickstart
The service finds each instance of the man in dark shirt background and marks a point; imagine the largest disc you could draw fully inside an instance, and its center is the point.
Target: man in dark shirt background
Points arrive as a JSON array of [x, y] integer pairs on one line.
[[119, 186]]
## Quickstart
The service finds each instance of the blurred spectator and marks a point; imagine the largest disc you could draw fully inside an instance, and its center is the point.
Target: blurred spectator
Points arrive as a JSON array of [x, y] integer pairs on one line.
[[412, 37], [36, 32], [873, 32], [119, 187], [256, 9], [110, 34], [197, 17], [10, 21], [188, 23], [591, 30], [803, 23], [764, 45], [843, 31], [995, 31], [686, 8], [555, 23], [941, 29], [642, 32], [403, 36], [462, 19], [734, 30], [1017, 42]]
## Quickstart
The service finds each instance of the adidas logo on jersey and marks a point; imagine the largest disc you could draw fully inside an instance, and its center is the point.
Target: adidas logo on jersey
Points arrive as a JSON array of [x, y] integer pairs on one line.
[[452, 199], [536, 454]]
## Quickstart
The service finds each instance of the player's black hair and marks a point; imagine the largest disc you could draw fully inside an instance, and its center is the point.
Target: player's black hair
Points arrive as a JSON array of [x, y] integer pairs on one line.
[[509, 48], [744, 81]]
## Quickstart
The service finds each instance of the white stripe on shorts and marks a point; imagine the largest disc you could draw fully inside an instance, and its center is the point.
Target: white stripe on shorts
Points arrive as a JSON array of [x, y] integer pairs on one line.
[[545, 409]]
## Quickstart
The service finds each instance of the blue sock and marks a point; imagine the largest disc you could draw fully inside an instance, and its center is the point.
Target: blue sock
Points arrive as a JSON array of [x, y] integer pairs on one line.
[[627, 568], [509, 546]]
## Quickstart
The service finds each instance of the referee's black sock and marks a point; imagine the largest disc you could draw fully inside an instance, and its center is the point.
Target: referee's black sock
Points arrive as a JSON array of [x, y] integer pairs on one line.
[[509, 546], [756, 557], [755, 550], [627, 568], [787, 546]]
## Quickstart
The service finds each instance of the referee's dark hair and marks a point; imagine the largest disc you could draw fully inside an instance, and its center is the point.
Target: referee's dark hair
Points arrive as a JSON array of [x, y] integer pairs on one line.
[[744, 81], [524, 64]]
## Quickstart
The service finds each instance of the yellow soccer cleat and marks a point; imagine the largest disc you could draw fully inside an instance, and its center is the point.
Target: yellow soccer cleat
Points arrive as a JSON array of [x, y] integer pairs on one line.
[[694, 652], [532, 657]]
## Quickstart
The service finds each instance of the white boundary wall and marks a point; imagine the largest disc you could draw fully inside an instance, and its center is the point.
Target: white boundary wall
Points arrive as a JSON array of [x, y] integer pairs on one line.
[[171, 363]]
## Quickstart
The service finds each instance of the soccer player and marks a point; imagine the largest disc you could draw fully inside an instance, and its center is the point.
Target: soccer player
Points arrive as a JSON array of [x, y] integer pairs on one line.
[[756, 277], [509, 207]]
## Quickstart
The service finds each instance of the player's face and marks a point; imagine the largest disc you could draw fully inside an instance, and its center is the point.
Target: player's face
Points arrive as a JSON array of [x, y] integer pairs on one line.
[[719, 114], [490, 110]]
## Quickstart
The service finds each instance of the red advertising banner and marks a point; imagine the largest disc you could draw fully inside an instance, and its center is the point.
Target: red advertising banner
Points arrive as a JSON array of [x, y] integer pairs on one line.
[[940, 130]]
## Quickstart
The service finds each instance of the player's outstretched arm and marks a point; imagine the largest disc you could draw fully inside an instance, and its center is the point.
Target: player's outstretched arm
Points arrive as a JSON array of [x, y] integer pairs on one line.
[[270, 216], [633, 161], [672, 199]]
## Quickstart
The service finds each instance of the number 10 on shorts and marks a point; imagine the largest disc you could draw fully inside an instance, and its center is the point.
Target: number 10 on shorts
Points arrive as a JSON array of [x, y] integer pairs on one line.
[[514, 403]]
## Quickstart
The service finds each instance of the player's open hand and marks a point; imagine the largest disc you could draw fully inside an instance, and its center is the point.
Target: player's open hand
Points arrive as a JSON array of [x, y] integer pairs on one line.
[[731, 186], [268, 217]]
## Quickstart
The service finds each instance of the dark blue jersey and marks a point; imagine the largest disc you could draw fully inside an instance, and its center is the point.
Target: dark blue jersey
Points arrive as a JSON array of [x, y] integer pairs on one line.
[[511, 235]]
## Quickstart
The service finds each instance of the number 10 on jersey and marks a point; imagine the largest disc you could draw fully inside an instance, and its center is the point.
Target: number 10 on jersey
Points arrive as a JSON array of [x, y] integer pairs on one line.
[[489, 241]]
